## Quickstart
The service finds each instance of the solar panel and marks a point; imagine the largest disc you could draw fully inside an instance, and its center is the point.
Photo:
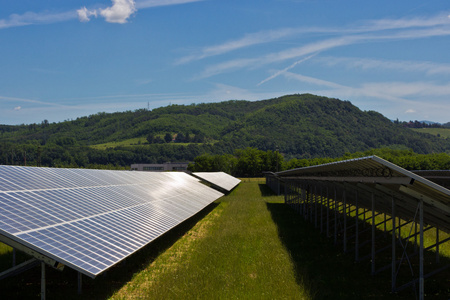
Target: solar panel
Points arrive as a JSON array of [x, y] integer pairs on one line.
[[91, 219], [220, 179], [388, 178]]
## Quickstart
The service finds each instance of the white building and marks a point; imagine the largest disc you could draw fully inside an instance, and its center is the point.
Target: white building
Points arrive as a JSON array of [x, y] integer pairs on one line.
[[182, 166]]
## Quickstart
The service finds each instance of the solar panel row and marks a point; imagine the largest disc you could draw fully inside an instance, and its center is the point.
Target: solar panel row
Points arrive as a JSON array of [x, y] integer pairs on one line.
[[92, 219], [220, 179]]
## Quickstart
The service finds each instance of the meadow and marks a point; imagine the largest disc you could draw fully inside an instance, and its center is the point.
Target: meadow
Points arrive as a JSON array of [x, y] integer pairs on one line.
[[440, 132], [246, 245]]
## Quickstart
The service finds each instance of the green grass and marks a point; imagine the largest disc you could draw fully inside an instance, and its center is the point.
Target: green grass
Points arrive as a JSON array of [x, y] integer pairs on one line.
[[442, 132], [136, 142], [234, 253], [246, 245], [128, 142]]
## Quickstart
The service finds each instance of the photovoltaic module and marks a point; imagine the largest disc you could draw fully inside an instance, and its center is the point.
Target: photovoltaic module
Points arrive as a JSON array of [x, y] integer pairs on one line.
[[91, 219]]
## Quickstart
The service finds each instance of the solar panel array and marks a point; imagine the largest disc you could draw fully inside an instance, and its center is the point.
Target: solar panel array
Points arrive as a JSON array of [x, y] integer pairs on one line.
[[91, 219], [383, 175], [220, 179]]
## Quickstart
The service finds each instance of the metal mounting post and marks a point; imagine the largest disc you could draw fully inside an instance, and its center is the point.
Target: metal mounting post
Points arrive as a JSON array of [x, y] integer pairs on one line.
[[328, 214], [373, 234], [80, 283], [421, 278], [394, 241], [42, 281], [357, 228], [345, 222]]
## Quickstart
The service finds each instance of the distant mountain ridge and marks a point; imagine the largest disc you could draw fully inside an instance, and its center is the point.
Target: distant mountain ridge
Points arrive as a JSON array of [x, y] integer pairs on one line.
[[301, 126]]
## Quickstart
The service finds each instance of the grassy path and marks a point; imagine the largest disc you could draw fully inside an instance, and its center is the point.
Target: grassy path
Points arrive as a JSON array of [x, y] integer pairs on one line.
[[233, 253]]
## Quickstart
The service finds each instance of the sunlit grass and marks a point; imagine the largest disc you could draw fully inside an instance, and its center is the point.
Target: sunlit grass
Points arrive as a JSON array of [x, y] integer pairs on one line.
[[128, 142], [138, 142], [442, 132], [234, 253]]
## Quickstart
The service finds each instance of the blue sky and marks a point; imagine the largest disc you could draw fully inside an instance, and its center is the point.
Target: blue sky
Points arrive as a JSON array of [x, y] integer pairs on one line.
[[60, 60]]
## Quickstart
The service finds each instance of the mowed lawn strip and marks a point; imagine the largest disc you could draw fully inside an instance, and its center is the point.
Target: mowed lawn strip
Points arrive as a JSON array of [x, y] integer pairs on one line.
[[233, 253]]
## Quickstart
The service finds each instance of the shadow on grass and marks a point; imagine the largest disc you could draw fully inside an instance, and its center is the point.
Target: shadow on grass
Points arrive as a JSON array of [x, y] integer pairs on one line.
[[63, 285], [319, 264], [265, 190]]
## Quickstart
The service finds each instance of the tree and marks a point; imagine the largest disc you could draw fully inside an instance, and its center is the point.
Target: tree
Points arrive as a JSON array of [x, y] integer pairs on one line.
[[168, 137], [180, 138], [150, 138]]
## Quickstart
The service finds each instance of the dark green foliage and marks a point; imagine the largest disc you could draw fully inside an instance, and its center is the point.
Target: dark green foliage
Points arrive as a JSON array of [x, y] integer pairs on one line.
[[251, 162], [168, 138], [300, 126]]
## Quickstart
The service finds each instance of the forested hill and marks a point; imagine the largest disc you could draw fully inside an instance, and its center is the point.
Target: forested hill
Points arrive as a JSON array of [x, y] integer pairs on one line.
[[300, 126]]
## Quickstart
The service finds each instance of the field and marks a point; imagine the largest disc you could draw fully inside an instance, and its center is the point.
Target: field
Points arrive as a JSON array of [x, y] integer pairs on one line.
[[441, 132], [128, 142], [135, 142], [246, 245]]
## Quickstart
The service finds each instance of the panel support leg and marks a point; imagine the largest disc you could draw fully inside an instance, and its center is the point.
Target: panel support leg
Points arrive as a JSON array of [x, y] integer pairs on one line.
[[394, 241], [335, 216], [321, 209], [437, 245], [328, 214], [421, 278], [42, 281], [80, 283], [373, 234], [345, 223], [357, 228], [316, 199]]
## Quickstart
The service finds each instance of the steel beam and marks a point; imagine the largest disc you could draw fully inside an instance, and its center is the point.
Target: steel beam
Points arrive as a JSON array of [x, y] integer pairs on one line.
[[382, 180], [394, 240], [15, 245], [421, 278], [43, 281], [373, 235], [19, 268]]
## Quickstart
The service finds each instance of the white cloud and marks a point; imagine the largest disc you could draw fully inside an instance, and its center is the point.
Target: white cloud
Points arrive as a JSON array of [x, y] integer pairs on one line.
[[429, 68], [119, 12], [273, 35], [370, 31], [410, 111], [153, 3], [226, 67], [30, 18], [246, 41], [398, 92], [385, 24], [285, 69], [15, 99], [18, 108], [410, 89], [84, 14]]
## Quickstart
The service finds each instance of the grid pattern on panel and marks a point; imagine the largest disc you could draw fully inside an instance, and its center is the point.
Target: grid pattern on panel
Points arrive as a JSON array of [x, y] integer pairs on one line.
[[220, 179], [91, 219]]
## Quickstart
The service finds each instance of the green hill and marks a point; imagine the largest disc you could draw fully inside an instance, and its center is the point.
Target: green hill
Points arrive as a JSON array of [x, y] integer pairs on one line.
[[300, 126]]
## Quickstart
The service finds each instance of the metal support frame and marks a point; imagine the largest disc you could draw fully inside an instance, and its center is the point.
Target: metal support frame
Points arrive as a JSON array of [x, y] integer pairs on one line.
[[373, 235], [80, 283], [42, 281], [19, 268], [356, 228], [394, 238], [37, 257], [309, 194]]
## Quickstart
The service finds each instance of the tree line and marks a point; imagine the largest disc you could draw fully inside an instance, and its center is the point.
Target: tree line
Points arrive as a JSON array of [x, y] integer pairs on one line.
[[251, 162], [418, 124]]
